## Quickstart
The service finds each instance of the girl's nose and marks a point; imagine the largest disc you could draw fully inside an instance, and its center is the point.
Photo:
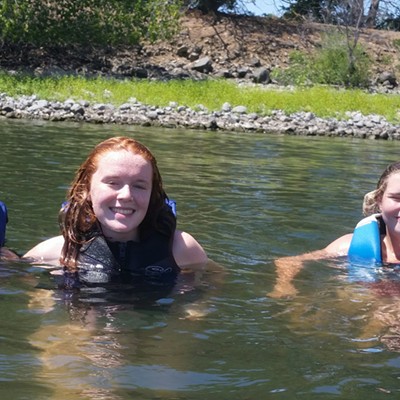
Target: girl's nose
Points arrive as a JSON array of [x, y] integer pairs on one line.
[[125, 192]]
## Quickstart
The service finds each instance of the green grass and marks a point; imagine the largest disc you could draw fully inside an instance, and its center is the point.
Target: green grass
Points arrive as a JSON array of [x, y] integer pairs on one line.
[[322, 101]]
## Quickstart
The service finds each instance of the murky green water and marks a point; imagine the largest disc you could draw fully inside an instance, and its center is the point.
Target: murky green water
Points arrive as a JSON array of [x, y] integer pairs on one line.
[[248, 199]]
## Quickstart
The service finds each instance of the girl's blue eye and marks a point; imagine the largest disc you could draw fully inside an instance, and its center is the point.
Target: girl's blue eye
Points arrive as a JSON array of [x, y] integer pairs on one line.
[[113, 184]]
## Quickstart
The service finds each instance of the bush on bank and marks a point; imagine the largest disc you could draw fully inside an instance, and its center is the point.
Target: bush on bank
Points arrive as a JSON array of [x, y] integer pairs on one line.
[[335, 62], [87, 22]]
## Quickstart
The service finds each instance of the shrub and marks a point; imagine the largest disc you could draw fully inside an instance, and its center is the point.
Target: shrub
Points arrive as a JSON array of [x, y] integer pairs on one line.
[[396, 43], [298, 72], [86, 22], [336, 62]]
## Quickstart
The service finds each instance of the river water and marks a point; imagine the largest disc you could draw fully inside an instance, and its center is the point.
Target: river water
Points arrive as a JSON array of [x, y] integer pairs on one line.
[[248, 199]]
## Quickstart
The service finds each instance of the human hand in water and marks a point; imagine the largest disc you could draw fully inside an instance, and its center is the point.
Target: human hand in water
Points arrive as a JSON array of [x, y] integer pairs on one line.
[[283, 290], [7, 254], [286, 270]]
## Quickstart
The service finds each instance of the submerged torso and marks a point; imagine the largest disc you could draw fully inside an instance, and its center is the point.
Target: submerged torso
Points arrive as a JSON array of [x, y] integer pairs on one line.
[[149, 262]]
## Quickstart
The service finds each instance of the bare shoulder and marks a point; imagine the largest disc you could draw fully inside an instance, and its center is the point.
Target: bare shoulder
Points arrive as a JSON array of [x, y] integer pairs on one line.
[[340, 246], [48, 251], [187, 250]]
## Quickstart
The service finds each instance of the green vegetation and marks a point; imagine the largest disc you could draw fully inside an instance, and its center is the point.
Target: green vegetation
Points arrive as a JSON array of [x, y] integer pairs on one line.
[[322, 101], [396, 43], [87, 22], [334, 63]]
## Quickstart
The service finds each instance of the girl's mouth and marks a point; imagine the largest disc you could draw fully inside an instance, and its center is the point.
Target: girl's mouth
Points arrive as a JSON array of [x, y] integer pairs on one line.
[[123, 211]]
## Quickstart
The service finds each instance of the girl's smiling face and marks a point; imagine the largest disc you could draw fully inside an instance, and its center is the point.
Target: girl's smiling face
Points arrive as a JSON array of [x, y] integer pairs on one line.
[[390, 203], [120, 191]]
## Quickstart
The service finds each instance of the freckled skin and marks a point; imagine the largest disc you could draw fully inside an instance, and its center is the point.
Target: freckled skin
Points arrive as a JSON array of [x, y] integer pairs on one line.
[[120, 193]]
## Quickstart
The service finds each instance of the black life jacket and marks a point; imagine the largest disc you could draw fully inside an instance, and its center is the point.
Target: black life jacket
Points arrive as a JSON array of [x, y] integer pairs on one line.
[[146, 262]]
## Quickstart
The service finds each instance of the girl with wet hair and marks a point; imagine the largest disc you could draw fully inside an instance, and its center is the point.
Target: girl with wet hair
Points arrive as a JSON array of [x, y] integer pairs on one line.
[[375, 240], [116, 224]]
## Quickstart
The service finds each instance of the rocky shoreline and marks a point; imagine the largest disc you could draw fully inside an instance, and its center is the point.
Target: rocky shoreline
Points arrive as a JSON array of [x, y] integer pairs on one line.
[[234, 119], [244, 49]]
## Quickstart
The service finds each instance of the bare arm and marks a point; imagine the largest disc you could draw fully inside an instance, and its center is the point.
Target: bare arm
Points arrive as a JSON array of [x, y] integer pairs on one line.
[[288, 267], [47, 252], [187, 251]]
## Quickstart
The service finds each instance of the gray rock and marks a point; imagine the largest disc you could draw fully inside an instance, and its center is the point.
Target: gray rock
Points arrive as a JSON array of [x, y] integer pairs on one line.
[[239, 110], [261, 75], [387, 78], [226, 107], [203, 65]]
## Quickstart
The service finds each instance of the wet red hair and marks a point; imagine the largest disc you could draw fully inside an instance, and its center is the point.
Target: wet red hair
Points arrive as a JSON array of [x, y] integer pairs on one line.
[[79, 223]]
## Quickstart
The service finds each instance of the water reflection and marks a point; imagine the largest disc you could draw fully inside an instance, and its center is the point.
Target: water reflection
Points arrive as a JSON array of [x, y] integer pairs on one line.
[[248, 199]]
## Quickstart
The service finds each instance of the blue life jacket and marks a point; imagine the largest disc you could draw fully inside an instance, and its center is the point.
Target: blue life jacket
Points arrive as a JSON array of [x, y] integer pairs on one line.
[[366, 241], [365, 254], [3, 223]]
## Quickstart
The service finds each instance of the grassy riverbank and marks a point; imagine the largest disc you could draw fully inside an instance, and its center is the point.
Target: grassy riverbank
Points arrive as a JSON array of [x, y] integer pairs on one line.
[[322, 101]]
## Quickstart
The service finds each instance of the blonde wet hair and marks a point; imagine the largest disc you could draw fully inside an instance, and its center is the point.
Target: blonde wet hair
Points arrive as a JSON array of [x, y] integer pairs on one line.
[[373, 198]]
